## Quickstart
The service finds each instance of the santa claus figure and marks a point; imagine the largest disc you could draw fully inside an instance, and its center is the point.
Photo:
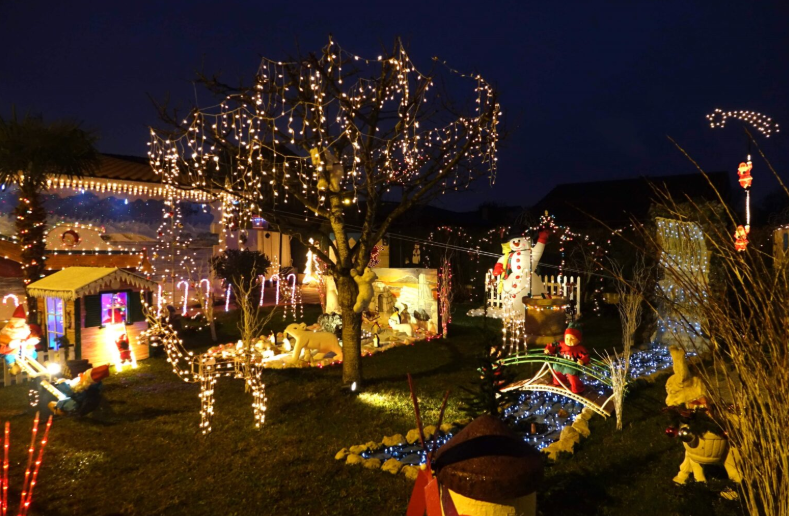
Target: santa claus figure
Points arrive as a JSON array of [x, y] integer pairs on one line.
[[569, 348], [124, 349], [741, 237], [515, 270], [83, 392], [116, 313], [744, 174], [17, 340]]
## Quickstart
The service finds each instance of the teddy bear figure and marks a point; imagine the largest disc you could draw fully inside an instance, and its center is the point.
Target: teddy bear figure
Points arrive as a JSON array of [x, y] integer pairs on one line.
[[569, 348], [365, 284]]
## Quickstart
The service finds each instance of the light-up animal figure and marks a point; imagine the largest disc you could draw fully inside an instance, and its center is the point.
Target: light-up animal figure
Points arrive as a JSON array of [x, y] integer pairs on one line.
[[235, 361]]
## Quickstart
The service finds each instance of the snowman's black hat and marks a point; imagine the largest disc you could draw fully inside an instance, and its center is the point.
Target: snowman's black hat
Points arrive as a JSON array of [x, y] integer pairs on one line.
[[514, 232], [518, 232]]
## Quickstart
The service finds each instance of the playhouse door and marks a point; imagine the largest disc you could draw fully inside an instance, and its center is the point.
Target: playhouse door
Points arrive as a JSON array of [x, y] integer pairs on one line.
[[54, 321]]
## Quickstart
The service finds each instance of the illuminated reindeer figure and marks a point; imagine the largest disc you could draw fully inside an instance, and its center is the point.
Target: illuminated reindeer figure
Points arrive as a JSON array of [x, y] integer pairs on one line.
[[242, 360]]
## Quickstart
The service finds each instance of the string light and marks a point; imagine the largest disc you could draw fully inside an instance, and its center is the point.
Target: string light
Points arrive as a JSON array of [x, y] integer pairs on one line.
[[763, 123]]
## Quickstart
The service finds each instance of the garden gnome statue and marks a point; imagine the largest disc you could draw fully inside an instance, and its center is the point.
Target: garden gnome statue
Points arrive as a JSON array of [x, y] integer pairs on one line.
[[16, 340], [516, 267], [487, 470]]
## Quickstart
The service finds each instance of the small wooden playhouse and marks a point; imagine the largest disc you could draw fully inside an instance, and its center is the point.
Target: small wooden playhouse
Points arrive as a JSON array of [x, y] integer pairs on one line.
[[85, 304]]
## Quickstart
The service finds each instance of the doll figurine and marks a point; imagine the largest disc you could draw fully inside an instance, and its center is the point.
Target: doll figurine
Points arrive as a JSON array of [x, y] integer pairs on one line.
[[569, 348]]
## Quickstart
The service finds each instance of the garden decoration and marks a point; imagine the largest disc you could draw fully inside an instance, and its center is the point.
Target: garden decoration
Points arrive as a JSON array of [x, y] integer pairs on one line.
[[235, 361], [704, 440], [765, 125], [487, 470], [424, 497], [746, 180], [516, 270], [322, 342], [31, 470], [569, 348], [599, 399], [17, 340], [545, 319], [365, 284], [80, 395]]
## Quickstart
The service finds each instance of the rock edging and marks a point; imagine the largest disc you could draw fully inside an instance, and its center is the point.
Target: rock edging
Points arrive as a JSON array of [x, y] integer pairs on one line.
[[353, 455]]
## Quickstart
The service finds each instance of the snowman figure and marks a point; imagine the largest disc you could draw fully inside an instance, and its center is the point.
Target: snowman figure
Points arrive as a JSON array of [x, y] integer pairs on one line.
[[515, 270]]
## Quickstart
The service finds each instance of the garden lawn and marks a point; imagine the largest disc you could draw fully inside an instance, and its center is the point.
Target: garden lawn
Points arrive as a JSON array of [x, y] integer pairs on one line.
[[142, 452]]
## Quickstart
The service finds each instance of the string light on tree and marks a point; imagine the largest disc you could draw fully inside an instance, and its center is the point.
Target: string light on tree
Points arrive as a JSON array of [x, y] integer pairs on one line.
[[334, 131]]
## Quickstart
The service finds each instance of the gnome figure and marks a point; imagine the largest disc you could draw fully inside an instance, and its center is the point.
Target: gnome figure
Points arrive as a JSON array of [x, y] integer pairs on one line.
[[83, 392], [16, 340], [569, 348]]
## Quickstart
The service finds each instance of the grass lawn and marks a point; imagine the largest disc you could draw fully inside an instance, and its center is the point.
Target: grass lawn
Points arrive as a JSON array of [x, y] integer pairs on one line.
[[142, 453]]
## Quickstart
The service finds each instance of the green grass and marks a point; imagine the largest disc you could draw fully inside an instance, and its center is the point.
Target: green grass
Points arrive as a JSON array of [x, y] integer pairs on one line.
[[142, 453]]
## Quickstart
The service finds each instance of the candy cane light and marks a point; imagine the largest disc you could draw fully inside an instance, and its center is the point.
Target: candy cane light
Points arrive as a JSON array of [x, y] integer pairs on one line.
[[186, 294]]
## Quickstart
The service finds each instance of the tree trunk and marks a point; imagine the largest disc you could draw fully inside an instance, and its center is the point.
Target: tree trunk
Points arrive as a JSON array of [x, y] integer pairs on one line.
[[347, 290], [31, 226]]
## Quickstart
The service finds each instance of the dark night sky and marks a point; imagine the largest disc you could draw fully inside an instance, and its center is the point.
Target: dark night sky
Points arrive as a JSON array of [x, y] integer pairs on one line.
[[589, 89]]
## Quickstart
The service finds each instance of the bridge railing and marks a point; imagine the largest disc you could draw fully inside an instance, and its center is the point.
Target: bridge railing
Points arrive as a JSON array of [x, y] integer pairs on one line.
[[595, 368]]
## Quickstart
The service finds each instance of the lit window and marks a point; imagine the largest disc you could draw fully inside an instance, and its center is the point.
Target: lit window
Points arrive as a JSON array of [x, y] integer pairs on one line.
[[54, 321], [114, 308]]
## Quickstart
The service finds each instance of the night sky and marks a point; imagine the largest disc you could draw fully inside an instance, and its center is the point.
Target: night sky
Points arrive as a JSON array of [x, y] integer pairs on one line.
[[589, 89]]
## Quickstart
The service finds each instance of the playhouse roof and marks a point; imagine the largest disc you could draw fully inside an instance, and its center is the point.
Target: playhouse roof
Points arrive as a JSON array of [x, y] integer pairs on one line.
[[76, 282]]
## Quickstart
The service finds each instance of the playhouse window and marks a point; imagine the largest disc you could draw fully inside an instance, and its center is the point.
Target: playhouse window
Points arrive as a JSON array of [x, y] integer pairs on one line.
[[114, 308], [54, 321]]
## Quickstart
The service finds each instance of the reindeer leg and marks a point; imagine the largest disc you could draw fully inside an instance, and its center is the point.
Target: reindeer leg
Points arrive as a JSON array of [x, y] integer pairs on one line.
[[206, 403]]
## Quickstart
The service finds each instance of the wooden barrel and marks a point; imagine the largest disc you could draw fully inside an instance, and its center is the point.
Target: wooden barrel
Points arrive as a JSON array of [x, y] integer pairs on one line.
[[545, 319]]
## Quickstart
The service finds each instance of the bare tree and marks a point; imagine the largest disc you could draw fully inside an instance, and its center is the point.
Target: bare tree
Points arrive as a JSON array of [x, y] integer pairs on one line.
[[253, 318], [631, 292], [329, 144]]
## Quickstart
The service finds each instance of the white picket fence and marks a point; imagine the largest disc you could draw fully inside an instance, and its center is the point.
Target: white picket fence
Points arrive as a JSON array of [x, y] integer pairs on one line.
[[58, 356], [565, 286]]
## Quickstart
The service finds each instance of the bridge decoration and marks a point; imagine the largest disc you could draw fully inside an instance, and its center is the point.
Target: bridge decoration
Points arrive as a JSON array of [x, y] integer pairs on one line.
[[598, 395]]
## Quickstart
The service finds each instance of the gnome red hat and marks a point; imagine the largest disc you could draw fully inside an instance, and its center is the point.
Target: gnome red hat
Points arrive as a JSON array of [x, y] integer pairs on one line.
[[36, 331], [99, 373], [19, 314], [574, 330]]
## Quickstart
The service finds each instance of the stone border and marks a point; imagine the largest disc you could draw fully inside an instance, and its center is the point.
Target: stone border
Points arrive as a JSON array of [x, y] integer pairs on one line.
[[353, 455], [570, 436]]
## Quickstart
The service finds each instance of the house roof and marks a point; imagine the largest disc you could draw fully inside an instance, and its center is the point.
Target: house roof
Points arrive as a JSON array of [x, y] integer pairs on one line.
[[126, 168], [617, 202], [76, 282]]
